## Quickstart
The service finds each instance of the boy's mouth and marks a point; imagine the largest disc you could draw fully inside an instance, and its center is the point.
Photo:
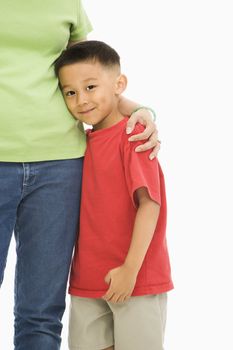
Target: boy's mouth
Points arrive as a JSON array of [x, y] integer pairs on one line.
[[86, 111]]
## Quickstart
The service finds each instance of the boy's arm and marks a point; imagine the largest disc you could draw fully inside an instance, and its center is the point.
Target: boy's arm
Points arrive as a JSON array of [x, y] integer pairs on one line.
[[144, 228], [123, 278]]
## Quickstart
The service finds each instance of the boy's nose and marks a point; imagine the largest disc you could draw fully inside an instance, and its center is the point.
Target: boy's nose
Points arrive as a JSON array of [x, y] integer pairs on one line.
[[81, 99]]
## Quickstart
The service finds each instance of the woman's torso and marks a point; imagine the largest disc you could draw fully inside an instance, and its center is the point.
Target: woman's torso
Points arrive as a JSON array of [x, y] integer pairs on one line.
[[34, 122]]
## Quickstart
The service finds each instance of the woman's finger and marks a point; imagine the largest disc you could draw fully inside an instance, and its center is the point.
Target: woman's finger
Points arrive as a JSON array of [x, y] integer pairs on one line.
[[150, 131], [131, 123], [155, 151], [147, 145]]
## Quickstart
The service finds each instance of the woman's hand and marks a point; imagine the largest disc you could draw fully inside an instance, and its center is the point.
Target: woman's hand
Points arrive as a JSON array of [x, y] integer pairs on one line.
[[150, 133]]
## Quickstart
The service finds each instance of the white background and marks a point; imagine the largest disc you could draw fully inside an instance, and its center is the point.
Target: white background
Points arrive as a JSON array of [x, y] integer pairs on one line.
[[178, 59]]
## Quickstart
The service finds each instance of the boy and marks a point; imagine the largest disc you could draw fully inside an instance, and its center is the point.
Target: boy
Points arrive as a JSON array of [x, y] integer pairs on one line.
[[120, 271]]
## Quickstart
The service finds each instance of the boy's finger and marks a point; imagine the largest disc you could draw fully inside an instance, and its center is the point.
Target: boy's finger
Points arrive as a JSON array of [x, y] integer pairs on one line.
[[114, 298], [108, 295], [107, 278], [121, 299]]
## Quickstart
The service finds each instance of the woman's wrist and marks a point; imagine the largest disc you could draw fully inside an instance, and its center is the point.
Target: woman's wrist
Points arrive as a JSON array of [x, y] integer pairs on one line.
[[149, 109]]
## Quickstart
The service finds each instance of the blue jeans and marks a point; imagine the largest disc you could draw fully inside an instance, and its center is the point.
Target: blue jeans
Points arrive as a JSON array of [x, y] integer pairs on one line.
[[40, 202]]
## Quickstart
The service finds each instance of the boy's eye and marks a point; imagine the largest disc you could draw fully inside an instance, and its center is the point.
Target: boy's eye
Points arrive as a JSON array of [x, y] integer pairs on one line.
[[70, 93], [91, 87]]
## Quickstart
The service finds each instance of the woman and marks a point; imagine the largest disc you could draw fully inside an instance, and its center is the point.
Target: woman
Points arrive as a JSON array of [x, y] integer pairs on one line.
[[41, 152]]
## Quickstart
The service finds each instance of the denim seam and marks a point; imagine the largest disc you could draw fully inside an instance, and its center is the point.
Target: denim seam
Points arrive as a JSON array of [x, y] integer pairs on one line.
[[16, 269]]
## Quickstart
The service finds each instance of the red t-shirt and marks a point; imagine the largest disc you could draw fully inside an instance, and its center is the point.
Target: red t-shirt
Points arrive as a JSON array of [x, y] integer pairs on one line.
[[113, 171]]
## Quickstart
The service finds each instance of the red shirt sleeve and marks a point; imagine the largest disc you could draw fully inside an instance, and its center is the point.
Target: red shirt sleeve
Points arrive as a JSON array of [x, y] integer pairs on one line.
[[139, 170]]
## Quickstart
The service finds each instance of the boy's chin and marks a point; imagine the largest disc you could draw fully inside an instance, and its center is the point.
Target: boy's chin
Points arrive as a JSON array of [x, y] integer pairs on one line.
[[88, 122]]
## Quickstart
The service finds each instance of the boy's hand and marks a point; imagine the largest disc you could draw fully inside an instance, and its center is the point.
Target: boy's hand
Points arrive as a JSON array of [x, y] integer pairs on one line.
[[122, 280]]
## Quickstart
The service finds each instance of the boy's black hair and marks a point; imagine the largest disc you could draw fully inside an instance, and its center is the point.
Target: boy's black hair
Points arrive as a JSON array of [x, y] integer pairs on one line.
[[90, 50]]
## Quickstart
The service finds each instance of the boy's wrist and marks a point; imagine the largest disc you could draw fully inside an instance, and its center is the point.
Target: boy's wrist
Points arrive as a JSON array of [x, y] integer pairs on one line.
[[132, 267]]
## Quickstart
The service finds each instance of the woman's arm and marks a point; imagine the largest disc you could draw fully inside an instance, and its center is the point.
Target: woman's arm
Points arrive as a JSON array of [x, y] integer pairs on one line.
[[144, 117], [71, 43]]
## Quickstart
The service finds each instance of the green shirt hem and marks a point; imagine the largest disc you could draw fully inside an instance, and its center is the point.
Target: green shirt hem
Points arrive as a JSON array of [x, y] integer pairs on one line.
[[41, 157]]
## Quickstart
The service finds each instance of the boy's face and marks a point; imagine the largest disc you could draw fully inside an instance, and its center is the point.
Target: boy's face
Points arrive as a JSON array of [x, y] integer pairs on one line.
[[91, 91]]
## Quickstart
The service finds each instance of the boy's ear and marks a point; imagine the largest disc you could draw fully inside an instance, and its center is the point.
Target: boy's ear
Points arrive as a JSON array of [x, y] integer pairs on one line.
[[121, 84]]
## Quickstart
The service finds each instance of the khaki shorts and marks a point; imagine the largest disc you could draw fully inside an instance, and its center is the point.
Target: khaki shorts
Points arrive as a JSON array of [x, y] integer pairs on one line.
[[136, 324]]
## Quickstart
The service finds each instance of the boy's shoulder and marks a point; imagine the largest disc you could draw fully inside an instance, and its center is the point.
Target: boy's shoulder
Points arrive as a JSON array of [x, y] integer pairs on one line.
[[139, 128]]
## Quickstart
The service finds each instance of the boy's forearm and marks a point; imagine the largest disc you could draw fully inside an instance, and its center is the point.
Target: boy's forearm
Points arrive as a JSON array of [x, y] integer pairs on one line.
[[144, 228], [126, 106]]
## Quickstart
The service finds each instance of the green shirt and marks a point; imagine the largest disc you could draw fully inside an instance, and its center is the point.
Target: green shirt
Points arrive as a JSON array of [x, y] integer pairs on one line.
[[35, 124]]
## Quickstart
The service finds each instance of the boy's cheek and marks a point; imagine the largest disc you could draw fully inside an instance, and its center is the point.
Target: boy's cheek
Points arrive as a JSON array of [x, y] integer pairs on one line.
[[70, 107], [77, 117]]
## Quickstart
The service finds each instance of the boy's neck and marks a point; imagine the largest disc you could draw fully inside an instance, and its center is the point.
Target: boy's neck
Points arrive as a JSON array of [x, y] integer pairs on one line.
[[112, 119]]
